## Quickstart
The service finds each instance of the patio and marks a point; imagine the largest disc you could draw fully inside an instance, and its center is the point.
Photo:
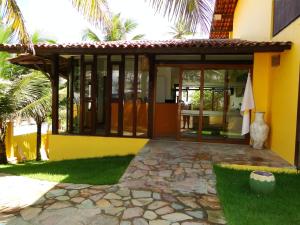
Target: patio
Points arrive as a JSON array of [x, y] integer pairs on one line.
[[168, 182]]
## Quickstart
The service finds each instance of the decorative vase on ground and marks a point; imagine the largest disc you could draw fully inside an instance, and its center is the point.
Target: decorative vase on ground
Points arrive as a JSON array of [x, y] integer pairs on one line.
[[259, 131], [262, 182]]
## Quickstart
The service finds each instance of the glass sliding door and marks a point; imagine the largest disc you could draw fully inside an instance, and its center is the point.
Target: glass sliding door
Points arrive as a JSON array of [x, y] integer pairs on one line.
[[223, 95], [213, 107], [189, 104]]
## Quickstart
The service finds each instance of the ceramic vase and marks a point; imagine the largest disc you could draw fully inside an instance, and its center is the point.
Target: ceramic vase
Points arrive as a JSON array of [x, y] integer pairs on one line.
[[259, 131]]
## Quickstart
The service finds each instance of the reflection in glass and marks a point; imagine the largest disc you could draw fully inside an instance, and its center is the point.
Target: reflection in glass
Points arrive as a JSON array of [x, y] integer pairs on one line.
[[128, 96], [223, 94], [114, 97], [76, 94], [100, 98], [62, 112], [213, 124], [167, 83], [142, 102], [190, 104], [87, 124]]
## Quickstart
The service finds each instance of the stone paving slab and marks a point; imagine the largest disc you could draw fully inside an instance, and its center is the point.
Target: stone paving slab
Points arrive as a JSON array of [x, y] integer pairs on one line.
[[167, 183]]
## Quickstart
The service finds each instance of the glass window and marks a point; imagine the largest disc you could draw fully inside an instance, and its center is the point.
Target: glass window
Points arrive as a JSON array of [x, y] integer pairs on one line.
[[142, 102], [62, 112], [167, 83], [115, 82], [76, 94], [115, 96], [101, 88], [128, 96]]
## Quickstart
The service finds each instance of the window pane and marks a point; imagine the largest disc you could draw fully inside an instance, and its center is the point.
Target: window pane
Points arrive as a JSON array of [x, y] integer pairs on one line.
[[115, 82], [101, 78], [128, 96], [142, 96], [236, 86], [167, 83], [115, 95], [76, 94]]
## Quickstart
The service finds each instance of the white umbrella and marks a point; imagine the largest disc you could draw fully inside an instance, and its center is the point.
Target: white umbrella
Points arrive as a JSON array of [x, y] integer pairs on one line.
[[247, 105]]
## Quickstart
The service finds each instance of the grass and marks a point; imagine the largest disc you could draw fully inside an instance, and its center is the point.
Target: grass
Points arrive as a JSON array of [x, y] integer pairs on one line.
[[242, 207], [106, 170]]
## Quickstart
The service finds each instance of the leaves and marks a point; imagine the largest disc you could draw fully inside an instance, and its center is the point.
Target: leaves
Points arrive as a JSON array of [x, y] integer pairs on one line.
[[89, 35], [195, 13], [12, 15], [95, 11], [180, 30]]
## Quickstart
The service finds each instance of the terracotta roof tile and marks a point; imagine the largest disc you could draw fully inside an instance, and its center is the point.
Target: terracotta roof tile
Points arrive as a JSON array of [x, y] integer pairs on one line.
[[221, 27], [144, 45]]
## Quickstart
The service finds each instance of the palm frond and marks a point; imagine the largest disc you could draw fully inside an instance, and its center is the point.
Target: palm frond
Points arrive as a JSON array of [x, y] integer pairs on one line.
[[138, 37], [129, 25], [36, 38], [12, 15], [95, 11], [89, 35], [195, 13]]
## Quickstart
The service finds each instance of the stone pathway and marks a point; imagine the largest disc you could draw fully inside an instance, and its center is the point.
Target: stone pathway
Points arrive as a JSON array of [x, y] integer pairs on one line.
[[167, 183]]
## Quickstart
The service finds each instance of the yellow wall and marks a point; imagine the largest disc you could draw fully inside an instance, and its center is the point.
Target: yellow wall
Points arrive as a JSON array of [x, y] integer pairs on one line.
[[285, 81], [73, 147], [276, 92], [61, 147], [27, 144], [253, 20]]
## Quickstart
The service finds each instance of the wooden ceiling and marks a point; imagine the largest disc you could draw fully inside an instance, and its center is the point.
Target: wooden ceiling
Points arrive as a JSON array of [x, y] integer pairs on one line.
[[222, 22]]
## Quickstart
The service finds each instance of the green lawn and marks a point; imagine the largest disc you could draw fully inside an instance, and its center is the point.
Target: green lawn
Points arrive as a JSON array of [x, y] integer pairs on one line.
[[241, 206], [106, 170]]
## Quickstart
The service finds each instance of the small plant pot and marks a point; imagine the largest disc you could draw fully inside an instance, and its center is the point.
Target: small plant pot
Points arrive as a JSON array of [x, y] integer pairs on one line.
[[262, 182]]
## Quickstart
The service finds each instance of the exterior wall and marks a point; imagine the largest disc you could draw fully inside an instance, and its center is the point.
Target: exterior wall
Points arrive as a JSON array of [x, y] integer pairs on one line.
[[275, 88], [285, 82], [59, 147], [74, 147], [276, 92], [23, 145], [253, 20]]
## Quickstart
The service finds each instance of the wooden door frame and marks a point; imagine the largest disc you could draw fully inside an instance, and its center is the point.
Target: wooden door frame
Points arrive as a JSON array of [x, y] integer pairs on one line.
[[201, 68]]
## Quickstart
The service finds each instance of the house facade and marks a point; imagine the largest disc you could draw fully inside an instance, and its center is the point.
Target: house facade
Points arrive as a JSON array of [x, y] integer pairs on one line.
[[120, 94], [270, 20]]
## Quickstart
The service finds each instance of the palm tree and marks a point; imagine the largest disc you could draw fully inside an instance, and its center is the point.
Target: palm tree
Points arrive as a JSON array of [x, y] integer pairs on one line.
[[32, 93], [95, 11], [117, 30], [36, 38], [180, 30], [26, 96], [193, 12]]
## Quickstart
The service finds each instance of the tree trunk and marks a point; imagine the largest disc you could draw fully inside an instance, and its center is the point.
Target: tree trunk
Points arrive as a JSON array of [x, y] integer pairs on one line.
[[38, 141], [3, 156]]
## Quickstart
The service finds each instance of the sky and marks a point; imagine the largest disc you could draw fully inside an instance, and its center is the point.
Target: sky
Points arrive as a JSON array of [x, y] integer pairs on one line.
[[57, 19]]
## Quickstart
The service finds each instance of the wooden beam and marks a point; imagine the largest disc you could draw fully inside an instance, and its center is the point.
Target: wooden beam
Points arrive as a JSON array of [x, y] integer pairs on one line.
[[94, 95], [108, 96], [55, 94], [71, 96], [151, 94], [121, 95], [135, 89], [82, 75]]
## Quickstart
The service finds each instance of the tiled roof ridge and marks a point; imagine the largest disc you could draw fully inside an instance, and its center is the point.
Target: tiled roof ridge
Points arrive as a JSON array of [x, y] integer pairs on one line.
[[153, 43]]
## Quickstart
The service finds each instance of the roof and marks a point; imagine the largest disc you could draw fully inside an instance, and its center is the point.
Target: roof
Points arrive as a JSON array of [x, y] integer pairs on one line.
[[195, 46], [222, 22]]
